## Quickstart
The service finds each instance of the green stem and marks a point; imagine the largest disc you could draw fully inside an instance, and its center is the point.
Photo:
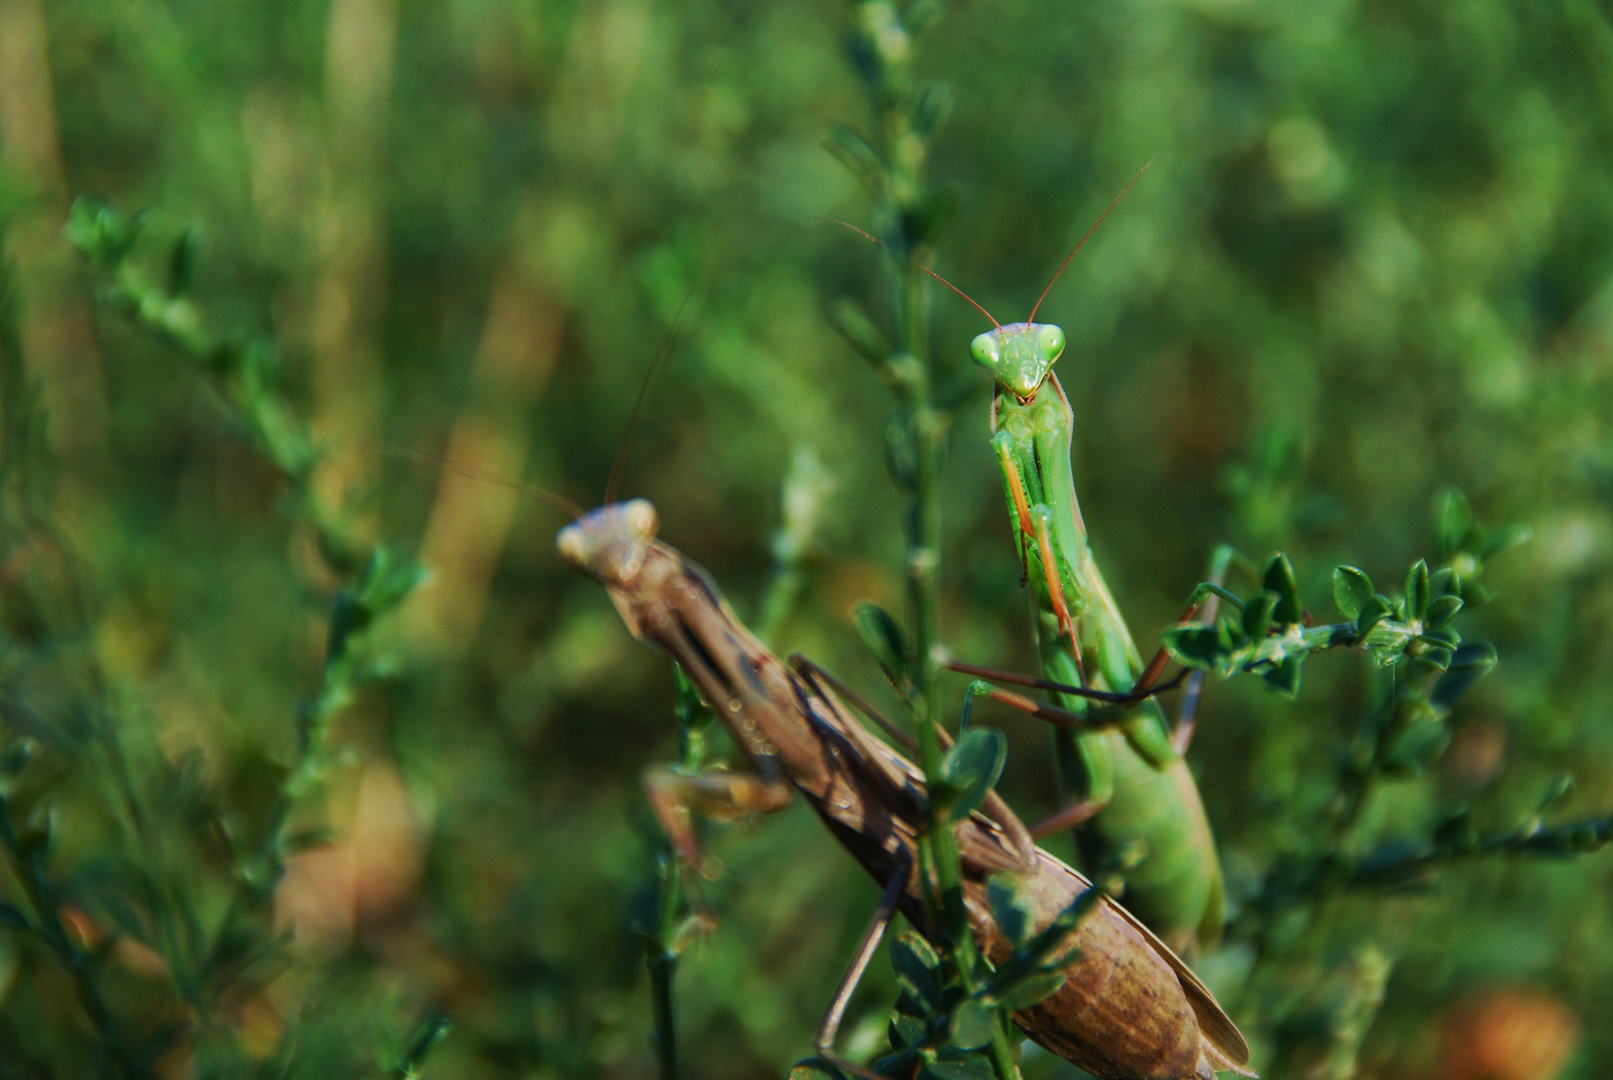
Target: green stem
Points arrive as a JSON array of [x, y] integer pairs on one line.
[[663, 964]]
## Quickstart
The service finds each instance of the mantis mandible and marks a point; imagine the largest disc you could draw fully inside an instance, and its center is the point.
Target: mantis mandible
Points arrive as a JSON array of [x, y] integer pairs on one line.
[[1142, 819], [1129, 1008]]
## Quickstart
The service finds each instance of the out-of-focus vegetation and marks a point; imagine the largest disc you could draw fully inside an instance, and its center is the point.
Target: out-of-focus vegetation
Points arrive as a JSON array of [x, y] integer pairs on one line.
[[1375, 257]]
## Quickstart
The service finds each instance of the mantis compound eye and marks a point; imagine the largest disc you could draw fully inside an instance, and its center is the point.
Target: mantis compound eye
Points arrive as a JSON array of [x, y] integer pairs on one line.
[[573, 547], [986, 351], [641, 519], [1051, 339]]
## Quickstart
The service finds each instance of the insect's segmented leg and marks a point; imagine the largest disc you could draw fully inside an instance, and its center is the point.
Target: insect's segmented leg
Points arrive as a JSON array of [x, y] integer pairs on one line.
[[715, 793], [1126, 700], [1022, 507], [1182, 737], [1069, 818], [854, 973], [1055, 592]]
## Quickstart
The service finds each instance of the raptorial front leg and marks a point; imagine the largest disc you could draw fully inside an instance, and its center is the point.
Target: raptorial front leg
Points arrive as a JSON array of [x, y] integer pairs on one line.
[[676, 796]]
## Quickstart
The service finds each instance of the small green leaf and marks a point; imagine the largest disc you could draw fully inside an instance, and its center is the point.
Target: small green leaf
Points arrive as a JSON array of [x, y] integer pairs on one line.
[[1470, 663], [1373, 612], [1417, 590], [425, 1040], [970, 1027], [1414, 748], [1453, 520], [1445, 582], [1032, 991], [1195, 646], [881, 635], [918, 969], [1257, 616], [858, 155], [970, 770], [182, 263], [1441, 610], [1502, 539], [933, 107], [848, 317], [1008, 908], [1436, 659], [1351, 590], [1279, 579], [905, 1030], [1558, 790], [1283, 680]]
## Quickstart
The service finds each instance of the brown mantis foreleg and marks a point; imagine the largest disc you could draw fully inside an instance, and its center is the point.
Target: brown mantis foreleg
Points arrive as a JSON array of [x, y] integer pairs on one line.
[[675, 796], [1182, 737]]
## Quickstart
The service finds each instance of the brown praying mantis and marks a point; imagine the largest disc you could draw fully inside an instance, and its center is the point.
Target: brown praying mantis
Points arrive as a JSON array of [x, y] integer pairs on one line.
[[1127, 1006]]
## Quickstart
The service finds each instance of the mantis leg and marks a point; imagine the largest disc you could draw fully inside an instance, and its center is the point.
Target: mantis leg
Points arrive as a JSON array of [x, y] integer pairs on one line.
[[1075, 814], [1186, 720], [824, 1042], [1039, 534], [675, 796], [1055, 592]]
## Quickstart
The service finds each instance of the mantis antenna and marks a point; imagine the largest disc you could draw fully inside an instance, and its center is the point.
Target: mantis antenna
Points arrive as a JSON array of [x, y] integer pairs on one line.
[[1084, 239], [870, 236], [473, 472], [564, 505], [615, 482]]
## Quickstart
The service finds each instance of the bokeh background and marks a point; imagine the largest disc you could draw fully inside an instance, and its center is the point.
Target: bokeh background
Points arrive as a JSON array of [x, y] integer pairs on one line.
[[1374, 257]]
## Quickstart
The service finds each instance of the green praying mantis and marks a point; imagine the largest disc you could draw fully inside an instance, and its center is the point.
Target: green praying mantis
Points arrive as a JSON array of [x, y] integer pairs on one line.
[[1143, 825]]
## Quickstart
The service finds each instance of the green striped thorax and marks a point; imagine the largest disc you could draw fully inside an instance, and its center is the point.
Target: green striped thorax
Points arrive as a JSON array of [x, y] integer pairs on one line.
[[1019, 355]]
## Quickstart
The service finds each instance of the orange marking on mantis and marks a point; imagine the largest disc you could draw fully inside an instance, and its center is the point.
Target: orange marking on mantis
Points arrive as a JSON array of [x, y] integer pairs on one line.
[[1055, 593], [1016, 488]]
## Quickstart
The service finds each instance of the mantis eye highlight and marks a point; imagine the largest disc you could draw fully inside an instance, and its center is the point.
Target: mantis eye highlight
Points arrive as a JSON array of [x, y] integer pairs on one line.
[[985, 350], [1051, 339]]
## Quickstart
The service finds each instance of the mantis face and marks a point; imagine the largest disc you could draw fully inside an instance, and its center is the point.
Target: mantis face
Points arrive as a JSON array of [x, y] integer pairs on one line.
[[1019, 355], [609, 544]]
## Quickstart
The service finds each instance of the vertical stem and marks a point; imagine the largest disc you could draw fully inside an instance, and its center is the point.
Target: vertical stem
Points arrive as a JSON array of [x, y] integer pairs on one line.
[[663, 963], [910, 214]]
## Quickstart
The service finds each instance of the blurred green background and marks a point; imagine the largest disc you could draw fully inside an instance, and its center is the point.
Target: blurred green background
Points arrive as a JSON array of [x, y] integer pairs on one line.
[[1375, 256]]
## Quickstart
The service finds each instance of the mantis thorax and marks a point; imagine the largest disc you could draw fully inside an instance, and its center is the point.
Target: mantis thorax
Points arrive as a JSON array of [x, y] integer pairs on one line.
[[1019, 355]]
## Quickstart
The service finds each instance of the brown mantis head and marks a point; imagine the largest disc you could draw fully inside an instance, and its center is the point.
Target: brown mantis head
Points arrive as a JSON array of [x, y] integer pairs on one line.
[[609, 544]]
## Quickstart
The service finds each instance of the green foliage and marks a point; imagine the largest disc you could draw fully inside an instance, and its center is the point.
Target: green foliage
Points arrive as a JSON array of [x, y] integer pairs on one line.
[[1369, 264]]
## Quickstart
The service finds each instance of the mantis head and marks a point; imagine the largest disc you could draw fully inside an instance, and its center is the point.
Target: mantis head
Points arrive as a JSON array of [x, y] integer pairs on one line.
[[609, 544], [1019, 355]]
